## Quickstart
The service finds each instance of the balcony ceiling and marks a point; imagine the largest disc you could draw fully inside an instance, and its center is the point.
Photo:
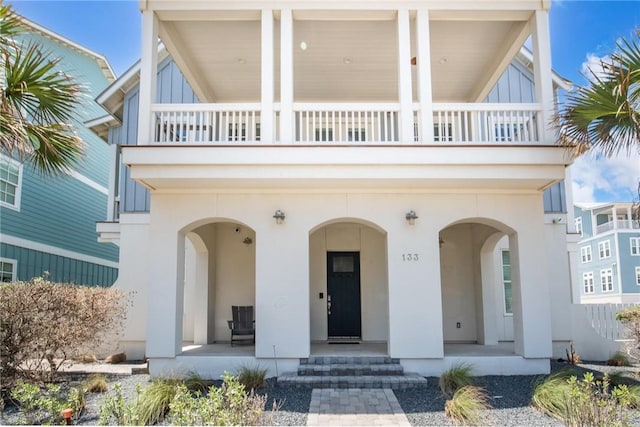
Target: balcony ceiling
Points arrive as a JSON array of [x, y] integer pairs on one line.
[[344, 60]]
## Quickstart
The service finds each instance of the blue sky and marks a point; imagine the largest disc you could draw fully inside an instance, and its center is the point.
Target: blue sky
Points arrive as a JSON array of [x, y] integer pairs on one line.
[[581, 32]]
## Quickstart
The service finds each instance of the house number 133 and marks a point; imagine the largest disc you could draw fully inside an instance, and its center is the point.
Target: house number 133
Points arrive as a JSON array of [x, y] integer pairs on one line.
[[410, 257]]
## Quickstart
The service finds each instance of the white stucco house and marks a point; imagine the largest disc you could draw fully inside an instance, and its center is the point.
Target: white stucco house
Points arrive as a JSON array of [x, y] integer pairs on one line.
[[372, 171]]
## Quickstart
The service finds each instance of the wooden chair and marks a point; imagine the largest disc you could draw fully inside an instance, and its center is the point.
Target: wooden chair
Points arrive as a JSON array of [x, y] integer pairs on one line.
[[243, 324]]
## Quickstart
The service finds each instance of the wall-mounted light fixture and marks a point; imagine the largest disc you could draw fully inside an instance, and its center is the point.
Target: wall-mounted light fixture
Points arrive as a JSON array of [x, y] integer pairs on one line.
[[411, 217], [440, 241], [279, 216], [557, 220]]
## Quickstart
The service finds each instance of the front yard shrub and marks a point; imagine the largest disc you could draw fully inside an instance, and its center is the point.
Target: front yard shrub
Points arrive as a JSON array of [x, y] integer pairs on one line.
[[227, 405], [45, 324], [630, 318], [252, 378], [115, 410], [43, 405], [455, 378], [586, 401], [467, 405], [96, 383]]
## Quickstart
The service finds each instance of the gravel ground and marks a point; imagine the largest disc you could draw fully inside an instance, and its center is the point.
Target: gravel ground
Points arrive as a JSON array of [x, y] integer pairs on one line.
[[510, 397]]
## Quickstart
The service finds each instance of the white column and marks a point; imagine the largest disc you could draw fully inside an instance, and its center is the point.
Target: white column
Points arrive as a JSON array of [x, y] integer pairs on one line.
[[404, 78], [415, 293], [425, 94], [542, 73], [282, 289], [165, 288], [148, 72], [530, 287], [114, 171], [286, 76], [614, 214], [266, 110]]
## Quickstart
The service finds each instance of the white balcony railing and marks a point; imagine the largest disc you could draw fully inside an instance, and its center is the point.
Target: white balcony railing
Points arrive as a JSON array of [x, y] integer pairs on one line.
[[486, 123], [346, 123], [624, 224]]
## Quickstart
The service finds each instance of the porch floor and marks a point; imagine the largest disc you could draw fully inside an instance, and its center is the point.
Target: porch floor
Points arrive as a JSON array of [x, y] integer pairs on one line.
[[363, 349]]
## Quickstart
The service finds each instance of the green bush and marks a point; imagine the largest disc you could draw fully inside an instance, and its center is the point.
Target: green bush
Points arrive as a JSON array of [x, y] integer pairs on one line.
[[583, 402], [44, 324], [458, 376], [43, 405], [467, 405], [252, 378], [115, 410], [227, 405]]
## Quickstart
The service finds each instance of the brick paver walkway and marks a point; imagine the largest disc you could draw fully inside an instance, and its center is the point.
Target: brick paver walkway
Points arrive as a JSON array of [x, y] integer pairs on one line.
[[355, 407]]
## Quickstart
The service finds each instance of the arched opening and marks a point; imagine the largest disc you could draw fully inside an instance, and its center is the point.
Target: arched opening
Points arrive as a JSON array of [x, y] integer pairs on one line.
[[476, 258], [219, 272], [348, 282]]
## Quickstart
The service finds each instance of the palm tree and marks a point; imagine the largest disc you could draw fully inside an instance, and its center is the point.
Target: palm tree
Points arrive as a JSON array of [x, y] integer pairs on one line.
[[604, 115], [37, 103]]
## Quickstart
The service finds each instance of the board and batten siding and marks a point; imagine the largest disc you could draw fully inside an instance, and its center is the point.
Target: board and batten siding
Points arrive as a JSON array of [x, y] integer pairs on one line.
[[31, 263], [172, 88], [516, 85], [628, 263]]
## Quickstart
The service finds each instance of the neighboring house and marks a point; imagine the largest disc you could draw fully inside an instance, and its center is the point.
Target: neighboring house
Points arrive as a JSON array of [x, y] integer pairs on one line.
[[364, 171], [47, 225], [609, 267]]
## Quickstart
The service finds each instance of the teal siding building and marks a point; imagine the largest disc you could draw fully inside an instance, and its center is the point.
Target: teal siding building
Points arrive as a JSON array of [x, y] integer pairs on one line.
[[609, 251], [47, 225]]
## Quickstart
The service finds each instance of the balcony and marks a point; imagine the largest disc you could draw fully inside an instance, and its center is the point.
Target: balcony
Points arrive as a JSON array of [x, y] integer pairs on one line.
[[346, 124], [620, 224]]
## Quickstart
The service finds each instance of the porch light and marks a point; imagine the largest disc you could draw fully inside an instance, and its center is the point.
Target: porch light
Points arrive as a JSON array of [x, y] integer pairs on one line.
[[303, 45], [411, 217], [279, 216]]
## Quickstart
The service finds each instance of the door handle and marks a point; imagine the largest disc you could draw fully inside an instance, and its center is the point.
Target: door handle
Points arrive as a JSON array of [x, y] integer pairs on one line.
[[329, 307]]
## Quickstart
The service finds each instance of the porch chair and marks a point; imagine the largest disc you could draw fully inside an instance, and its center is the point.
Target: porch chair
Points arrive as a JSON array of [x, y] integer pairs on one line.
[[243, 324]]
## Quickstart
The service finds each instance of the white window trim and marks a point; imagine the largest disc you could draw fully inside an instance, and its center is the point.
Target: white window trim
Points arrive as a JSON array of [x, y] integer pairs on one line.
[[16, 206], [586, 250], [502, 281], [588, 274], [578, 224], [14, 269], [637, 240], [600, 251], [610, 270], [638, 275]]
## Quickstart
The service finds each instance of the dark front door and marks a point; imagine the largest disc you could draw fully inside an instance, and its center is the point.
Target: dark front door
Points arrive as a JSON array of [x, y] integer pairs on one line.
[[343, 294]]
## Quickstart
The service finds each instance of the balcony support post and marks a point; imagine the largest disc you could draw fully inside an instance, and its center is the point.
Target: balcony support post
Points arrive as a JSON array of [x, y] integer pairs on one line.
[[266, 109], [286, 76], [405, 124], [542, 74], [114, 172], [148, 73], [425, 94]]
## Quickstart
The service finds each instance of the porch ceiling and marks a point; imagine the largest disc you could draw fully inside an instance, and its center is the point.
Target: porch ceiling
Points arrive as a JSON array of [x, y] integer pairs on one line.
[[345, 59]]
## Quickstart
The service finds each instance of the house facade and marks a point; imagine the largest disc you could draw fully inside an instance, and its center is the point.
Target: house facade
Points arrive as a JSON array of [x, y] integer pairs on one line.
[[609, 267], [47, 225], [377, 172]]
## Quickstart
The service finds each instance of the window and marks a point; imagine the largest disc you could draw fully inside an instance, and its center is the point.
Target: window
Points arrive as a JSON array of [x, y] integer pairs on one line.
[[10, 177], [638, 276], [585, 253], [634, 242], [7, 270], [606, 279], [587, 280], [578, 222], [506, 281], [442, 132], [604, 248]]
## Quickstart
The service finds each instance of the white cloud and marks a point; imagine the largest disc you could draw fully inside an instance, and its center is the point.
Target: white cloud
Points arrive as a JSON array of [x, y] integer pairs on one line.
[[599, 179], [593, 65]]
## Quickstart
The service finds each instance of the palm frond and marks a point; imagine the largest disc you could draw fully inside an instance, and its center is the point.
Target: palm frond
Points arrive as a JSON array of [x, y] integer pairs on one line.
[[9, 27], [605, 114]]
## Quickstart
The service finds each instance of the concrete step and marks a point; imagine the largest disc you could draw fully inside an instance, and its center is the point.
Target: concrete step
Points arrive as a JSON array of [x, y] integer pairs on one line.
[[345, 369], [396, 382], [350, 360]]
